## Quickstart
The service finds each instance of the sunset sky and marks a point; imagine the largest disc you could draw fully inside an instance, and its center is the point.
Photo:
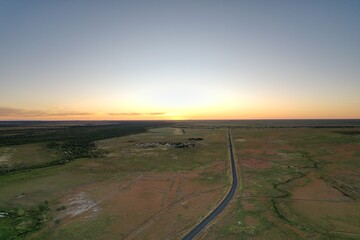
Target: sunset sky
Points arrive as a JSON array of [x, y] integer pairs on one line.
[[118, 60]]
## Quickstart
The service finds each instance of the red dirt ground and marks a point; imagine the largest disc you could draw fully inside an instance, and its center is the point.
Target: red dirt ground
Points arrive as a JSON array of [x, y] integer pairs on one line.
[[142, 205], [255, 163], [318, 189]]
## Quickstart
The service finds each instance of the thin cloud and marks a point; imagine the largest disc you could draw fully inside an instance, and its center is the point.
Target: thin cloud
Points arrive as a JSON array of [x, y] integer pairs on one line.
[[18, 112], [69, 114], [136, 114], [125, 114], [157, 113]]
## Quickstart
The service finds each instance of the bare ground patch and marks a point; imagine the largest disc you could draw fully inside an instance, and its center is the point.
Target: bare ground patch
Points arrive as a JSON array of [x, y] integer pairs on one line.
[[255, 163]]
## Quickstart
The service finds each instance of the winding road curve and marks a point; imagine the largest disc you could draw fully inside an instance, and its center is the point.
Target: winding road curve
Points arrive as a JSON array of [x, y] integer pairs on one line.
[[198, 228]]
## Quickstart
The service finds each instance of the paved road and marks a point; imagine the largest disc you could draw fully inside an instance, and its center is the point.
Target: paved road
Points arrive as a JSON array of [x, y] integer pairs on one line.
[[223, 204]]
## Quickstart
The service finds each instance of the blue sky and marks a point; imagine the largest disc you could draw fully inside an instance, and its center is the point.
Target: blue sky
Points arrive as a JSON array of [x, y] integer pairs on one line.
[[185, 59]]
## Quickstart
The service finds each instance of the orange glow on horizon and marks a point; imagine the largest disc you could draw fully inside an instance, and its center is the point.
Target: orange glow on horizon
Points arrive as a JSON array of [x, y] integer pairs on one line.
[[205, 114]]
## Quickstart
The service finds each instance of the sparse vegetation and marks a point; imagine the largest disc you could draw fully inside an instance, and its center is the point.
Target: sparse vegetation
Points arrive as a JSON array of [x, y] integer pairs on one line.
[[69, 142], [298, 183]]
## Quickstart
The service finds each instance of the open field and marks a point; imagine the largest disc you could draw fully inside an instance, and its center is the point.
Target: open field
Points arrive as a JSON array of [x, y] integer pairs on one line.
[[298, 183], [157, 180], [131, 191]]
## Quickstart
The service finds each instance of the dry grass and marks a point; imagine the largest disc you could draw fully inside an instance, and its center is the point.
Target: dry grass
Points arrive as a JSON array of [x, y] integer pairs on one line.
[[128, 193], [299, 183]]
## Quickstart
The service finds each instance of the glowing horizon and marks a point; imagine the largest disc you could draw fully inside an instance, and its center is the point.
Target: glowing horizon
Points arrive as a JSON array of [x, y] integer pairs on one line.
[[183, 60]]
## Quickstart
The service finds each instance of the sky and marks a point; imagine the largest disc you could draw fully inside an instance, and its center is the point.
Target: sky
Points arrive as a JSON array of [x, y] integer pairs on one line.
[[136, 60]]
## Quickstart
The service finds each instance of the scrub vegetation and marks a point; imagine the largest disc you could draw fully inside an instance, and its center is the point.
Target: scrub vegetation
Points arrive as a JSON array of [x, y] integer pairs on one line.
[[66, 142], [107, 184], [298, 183], [297, 180]]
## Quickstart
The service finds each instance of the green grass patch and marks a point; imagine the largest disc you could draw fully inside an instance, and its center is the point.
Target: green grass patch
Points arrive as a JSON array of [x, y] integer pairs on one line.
[[90, 229], [18, 222]]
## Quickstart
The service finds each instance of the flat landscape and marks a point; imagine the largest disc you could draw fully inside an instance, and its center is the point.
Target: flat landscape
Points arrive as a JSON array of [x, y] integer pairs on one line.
[[179, 120], [158, 180], [297, 183]]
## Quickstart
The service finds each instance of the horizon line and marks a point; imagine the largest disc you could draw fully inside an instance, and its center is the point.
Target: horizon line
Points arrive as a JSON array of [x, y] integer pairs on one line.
[[172, 120]]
